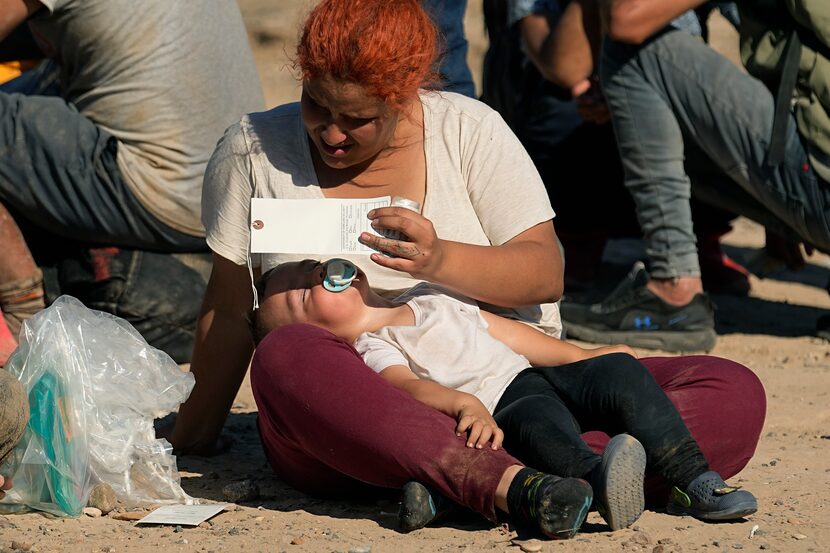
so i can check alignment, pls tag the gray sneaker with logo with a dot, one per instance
(633, 315)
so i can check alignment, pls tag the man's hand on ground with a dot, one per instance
(165, 428)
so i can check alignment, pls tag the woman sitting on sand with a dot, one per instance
(491, 373)
(366, 127)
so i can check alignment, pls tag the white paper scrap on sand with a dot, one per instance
(183, 515)
(325, 226)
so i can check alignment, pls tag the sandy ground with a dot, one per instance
(769, 331)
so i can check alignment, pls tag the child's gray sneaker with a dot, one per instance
(708, 497)
(618, 482)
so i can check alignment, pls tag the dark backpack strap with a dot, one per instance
(783, 99)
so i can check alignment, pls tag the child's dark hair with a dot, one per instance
(255, 326)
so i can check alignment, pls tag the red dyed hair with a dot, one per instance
(388, 47)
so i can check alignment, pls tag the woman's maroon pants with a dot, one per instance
(328, 422)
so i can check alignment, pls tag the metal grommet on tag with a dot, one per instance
(257, 225)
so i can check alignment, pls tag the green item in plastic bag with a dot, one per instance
(48, 420)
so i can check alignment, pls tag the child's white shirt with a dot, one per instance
(448, 344)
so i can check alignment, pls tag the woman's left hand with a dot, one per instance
(420, 256)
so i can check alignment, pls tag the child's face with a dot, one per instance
(294, 293)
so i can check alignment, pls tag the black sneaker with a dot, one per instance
(632, 315)
(421, 506)
(708, 497)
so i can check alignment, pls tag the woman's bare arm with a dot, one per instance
(525, 270)
(221, 355)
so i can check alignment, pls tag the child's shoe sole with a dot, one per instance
(619, 492)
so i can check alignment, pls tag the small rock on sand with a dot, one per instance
(129, 515)
(103, 498)
(92, 512)
(528, 546)
(243, 490)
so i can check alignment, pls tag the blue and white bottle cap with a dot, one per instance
(339, 274)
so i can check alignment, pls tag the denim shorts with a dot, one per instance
(59, 172)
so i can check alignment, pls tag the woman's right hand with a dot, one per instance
(421, 256)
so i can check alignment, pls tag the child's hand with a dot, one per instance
(480, 426)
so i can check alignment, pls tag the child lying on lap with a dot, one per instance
(506, 382)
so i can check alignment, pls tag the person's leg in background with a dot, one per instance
(448, 16)
(157, 293)
(14, 413)
(21, 281)
(75, 198)
(701, 99)
(593, 205)
(720, 274)
(21, 284)
(662, 94)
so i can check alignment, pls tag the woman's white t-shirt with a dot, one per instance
(482, 187)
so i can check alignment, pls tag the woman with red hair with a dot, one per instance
(367, 126)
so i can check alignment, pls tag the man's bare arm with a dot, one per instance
(564, 54)
(634, 21)
(13, 13)
(16, 42)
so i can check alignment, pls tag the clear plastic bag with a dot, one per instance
(94, 386)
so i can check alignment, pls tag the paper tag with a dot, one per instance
(327, 226)
(183, 515)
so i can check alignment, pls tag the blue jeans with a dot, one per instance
(60, 180)
(59, 172)
(682, 110)
(448, 16)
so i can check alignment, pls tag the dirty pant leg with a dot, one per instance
(723, 404)
(14, 413)
(326, 418)
(613, 393)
